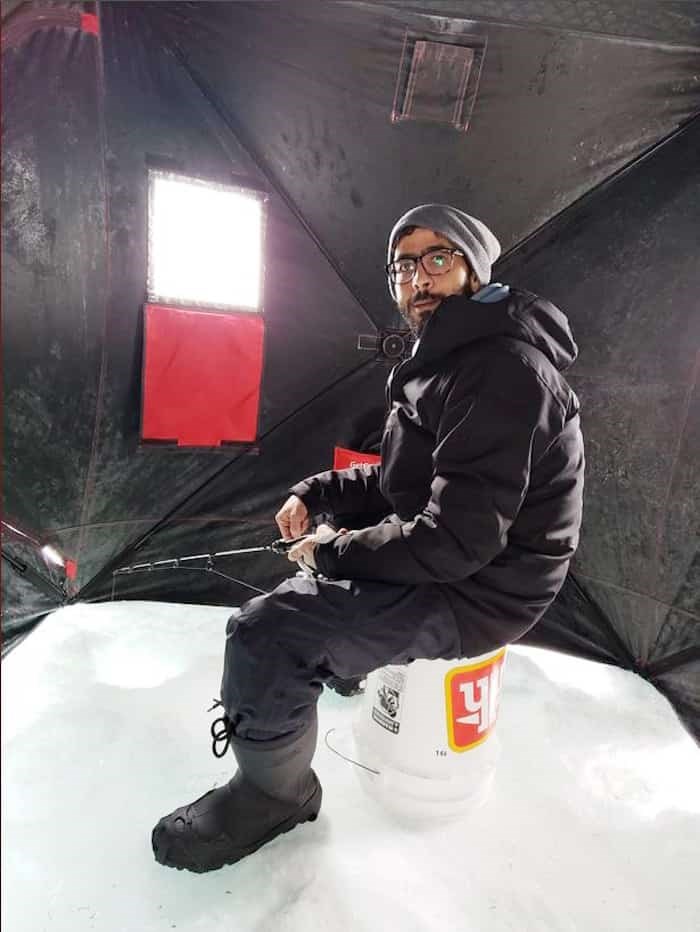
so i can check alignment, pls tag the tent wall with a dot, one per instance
(573, 155)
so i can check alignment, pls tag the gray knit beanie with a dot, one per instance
(470, 235)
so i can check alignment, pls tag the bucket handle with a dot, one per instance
(348, 759)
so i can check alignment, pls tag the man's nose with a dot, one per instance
(421, 279)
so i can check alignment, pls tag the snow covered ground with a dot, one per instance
(592, 823)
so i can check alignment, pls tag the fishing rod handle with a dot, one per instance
(284, 546)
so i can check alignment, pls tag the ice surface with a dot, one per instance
(593, 821)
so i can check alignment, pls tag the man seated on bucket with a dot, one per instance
(479, 503)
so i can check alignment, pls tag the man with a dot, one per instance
(478, 504)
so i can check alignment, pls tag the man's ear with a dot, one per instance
(474, 283)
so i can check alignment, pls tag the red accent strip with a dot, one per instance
(345, 459)
(90, 23)
(71, 569)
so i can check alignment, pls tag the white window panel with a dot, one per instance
(205, 243)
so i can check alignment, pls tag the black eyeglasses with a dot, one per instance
(435, 261)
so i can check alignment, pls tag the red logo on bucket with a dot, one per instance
(472, 695)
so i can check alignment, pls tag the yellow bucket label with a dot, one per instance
(472, 695)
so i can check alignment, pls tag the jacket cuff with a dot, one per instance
(327, 558)
(304, 491)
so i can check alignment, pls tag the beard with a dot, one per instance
(413, 325)
(416, 322)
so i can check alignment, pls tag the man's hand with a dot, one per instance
(305, 550)
(293, 518)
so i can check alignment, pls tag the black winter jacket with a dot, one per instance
(480, 487)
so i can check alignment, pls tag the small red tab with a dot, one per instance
(90, 23)
(71, 569)
(345, 459)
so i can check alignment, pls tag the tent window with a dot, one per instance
(205, 243)
(202, 368)
(438, 81)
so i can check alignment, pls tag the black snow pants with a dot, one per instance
(281, 647)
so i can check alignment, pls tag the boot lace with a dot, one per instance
(221, 730)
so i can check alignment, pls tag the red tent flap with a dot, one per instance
(201, 376)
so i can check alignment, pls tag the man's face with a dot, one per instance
(420, 297)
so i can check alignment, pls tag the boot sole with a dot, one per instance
(218, 852)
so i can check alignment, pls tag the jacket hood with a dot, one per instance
(521, 315)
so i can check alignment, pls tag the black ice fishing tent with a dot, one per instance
(571, 128)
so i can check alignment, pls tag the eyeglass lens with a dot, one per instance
(434, 263)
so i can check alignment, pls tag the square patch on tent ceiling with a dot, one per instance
(438, 81)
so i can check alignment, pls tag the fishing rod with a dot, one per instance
(281, 547)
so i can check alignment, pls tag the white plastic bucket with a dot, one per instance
(427, 729)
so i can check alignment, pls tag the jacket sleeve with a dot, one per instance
(343, 491)
(481, 471)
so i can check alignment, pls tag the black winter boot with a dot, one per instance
(274, 790)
